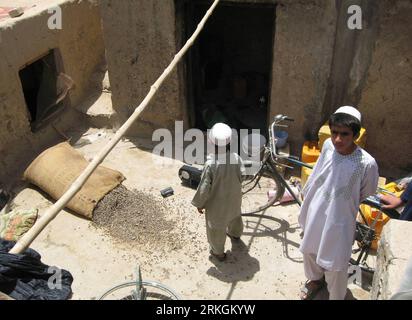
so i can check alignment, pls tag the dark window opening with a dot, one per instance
(44, 90)
(229, 66)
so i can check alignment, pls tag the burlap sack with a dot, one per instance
(55, 170)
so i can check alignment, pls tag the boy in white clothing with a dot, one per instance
(342, 178)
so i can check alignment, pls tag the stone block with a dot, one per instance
(394, 251)
(17, 12)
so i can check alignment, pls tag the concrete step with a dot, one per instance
(98, 110)
(394, 253)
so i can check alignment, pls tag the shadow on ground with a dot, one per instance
(261, 229)
(238, 266)
(323, 294)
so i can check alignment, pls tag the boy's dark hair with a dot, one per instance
(345, 120)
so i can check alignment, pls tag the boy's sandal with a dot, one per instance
(220, 257)
(311, 288)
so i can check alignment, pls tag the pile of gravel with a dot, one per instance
(137, 217)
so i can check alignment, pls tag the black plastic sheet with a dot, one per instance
(25, 277)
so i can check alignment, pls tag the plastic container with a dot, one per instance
(372, 214)
(310, 151)
(253, 144)
(305, 173)
(324, 133)
(281, 138)
(393, 187)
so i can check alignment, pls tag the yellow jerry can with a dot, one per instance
(305, 173)
(372, 214)
(310, 151)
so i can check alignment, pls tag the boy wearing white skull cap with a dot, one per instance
(342, 178)
(219, 192)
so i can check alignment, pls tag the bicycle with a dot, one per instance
(257, 187)
(267, 186)
(138, 290)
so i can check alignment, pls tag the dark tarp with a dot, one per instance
(25, 277)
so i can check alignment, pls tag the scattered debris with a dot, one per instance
(168, 192)
(138, 217)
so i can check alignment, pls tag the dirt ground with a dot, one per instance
(265, 264)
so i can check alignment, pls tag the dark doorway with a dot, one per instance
(44, 89)
(229, 67)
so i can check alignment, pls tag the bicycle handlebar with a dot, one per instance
(279, 118)
(375, 202)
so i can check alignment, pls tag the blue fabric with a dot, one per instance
(407, 198)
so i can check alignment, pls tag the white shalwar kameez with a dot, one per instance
(332, 195)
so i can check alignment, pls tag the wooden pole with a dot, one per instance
(52, 212)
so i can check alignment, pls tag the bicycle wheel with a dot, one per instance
(255, 190)
(148, 290)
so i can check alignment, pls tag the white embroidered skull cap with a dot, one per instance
(220, 134)
(351, 111)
